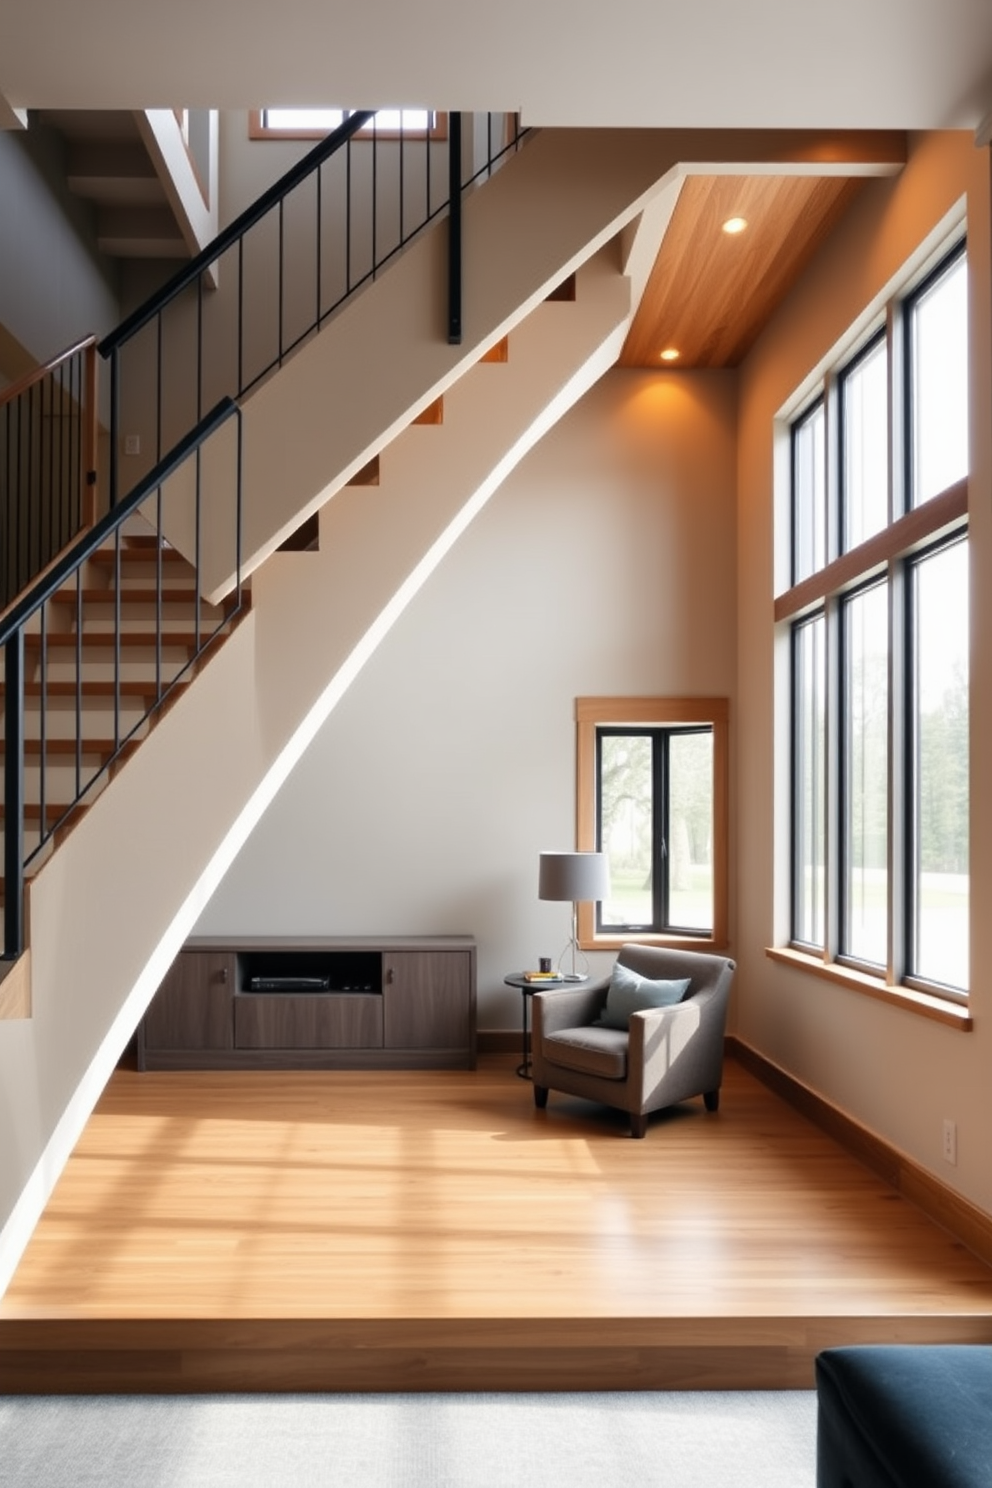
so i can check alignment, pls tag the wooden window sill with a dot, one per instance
(926, 1004)
(669, 942)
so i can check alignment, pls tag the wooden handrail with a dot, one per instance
(30, 378)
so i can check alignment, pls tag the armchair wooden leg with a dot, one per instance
(540, 1096)
(711, 1099)
(638, 1124)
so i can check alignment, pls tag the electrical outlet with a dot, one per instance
(950, 1148)
(132, 444)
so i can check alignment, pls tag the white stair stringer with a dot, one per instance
(111, 908)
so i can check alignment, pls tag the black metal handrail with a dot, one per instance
(30, 618)
(311, 241)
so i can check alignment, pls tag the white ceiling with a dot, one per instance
(903, 64)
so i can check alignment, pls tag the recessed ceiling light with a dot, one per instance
(670, 354)
(734, 225)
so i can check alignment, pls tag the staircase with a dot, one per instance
(109, 910)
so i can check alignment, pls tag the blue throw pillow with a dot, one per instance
(629, 992)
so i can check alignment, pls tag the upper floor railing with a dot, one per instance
(48, 464)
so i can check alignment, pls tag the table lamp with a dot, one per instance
(575, 876)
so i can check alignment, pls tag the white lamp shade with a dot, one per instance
(577, 876)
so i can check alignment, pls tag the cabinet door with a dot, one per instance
(192, 1008)
(427, 999)
(321, 1021)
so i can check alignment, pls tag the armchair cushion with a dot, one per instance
(592, 1051)
(629, 992)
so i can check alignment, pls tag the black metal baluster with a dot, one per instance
(347, 220)
(281, 271)
(79, 682)
(241, 317)
(47, 507)
(402, 235)
(13, 840)
(199, 348)
(375, 192)
(237, 512)
(42, 724)
(159, 604)
(197, 587)
(319, 243)
(117, 638)
(454, 230)
(158, 389)
(113, 473)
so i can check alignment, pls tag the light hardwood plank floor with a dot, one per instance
(433, 1230)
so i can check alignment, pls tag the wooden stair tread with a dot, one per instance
(54, 812)
(66, 640)
(129, 687)
(67, 747)
(142, 554)
(130, 596)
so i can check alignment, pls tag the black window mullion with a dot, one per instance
(660, 819)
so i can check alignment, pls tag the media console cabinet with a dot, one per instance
(310, 1003)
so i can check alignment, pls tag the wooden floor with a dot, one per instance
(405, 1231)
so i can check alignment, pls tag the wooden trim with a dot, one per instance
(500, 352)
(963, 1219)
(589, 713)
(15, 989)
(30, 378)
(921, 525)
(258, 130)
(165, 1356)
(910, 999)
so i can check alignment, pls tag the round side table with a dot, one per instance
(527, 989)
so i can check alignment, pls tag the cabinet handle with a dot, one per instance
(223, 974)
(389, 975)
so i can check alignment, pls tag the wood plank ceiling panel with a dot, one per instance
(710, 293)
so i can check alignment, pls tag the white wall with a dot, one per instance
(605, 564)
(55, 287)
(892, 1070)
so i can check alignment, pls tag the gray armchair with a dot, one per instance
(667, 1054)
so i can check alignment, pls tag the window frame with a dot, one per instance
(593, 713)
(660, 737)
(259, 130)
(888, 555)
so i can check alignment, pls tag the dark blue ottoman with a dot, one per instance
(904, 1416)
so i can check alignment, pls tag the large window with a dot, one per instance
(878, 615)
(652, 792)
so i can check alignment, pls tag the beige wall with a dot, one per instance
(604, 564)
(894, 1071)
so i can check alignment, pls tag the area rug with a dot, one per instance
(734, 1439)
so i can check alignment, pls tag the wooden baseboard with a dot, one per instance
(500, 1041)
(964, 1220)
(15, 989)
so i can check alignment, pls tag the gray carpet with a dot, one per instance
(752, 1439)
